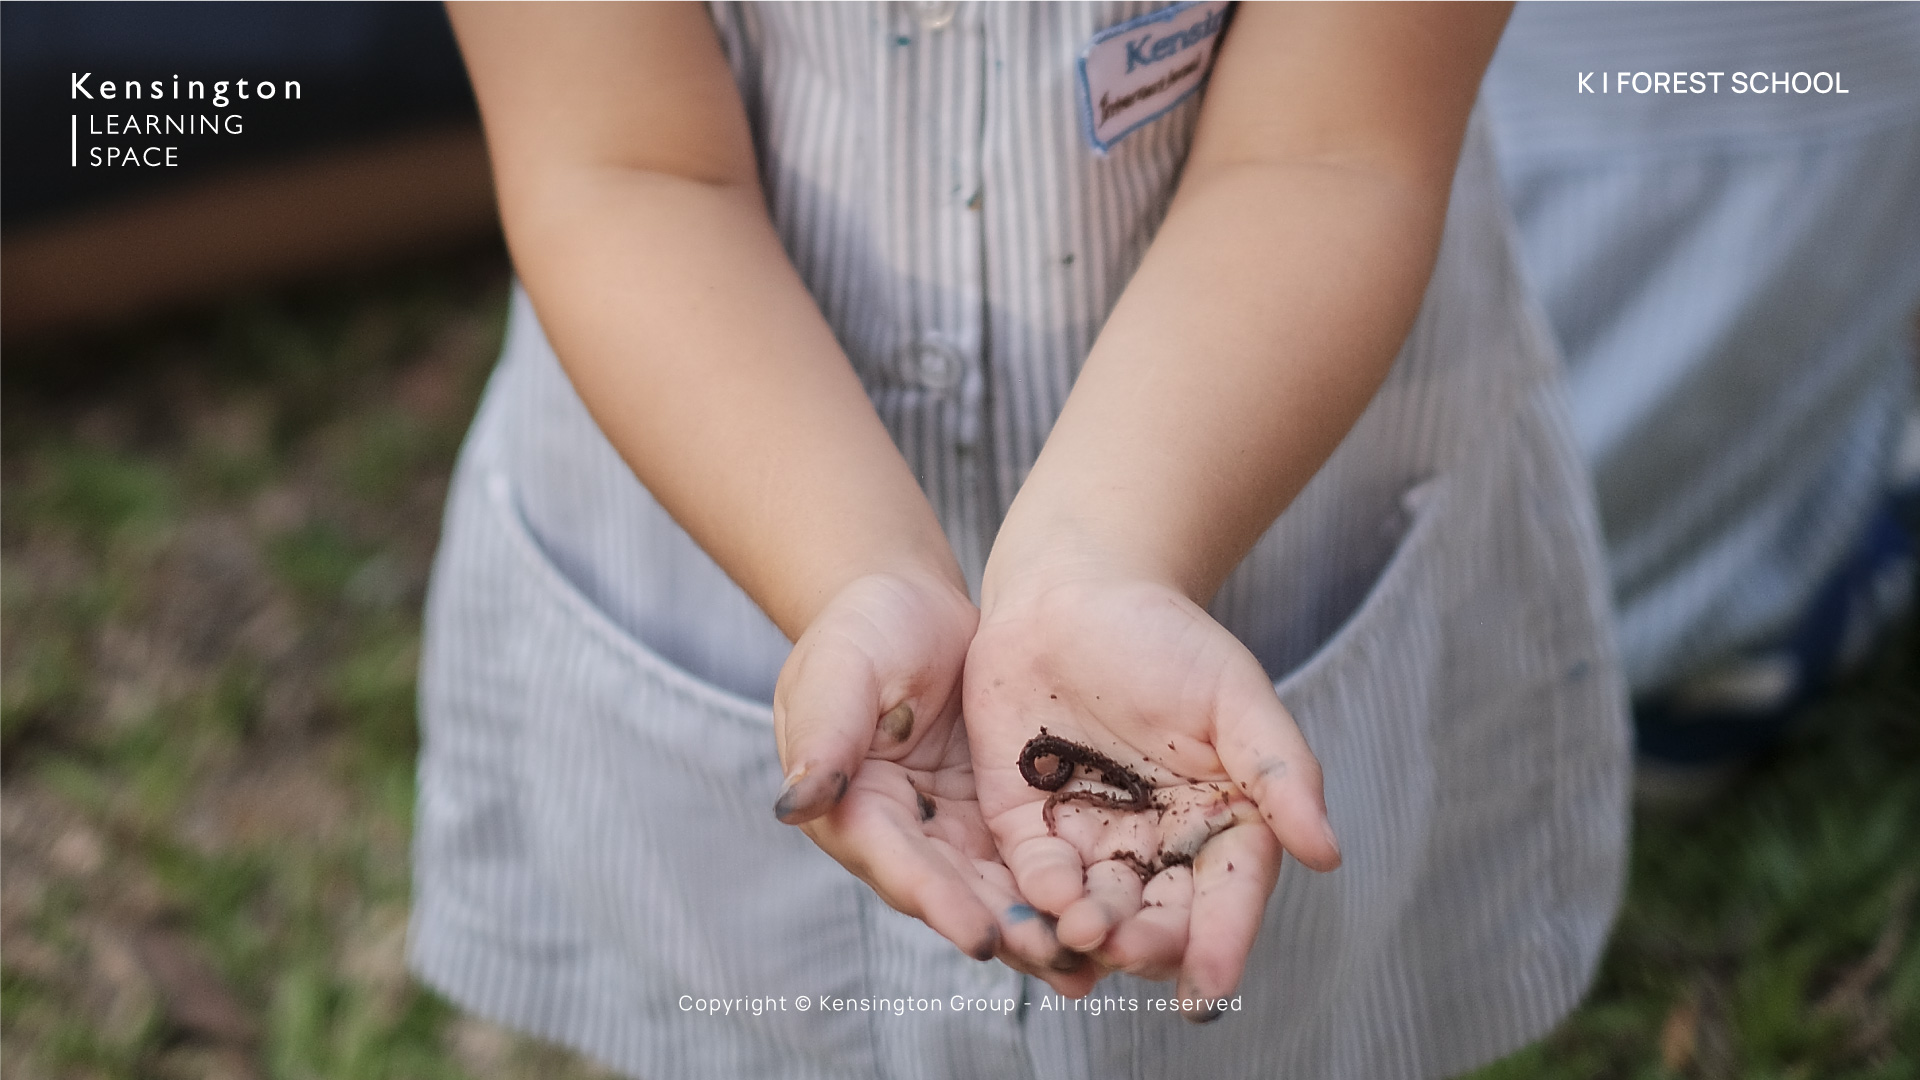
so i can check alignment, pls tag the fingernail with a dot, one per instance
(1207, 1015)
(1205, 1010)
(988, 947)
(1066, 961)
(794, 776)
(1326, 830)
(783, 806)
(804, 796)
(897, 723)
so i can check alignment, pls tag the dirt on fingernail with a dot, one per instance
(897, 723)
(802, 799)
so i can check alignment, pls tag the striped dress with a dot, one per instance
(596, 861)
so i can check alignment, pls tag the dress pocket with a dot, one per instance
(1366, 699)
(566, 600)
(1408, 571)
(647, 796)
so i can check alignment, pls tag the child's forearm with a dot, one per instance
(706, 363)
(1252, 337)
(631, 202)
(1272, 301)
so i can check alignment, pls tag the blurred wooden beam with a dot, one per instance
(246, 229)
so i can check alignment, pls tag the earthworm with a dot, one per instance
(1067, 755)
(1136, 795)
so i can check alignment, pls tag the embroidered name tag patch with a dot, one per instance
(1131, 73)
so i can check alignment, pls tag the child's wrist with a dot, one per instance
(1073, 524)
(1033, 558)
(794, 594)
(935, 575)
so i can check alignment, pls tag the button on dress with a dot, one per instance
(595, 850)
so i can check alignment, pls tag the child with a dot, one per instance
(821, 278)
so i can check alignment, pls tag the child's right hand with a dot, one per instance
(867, 714)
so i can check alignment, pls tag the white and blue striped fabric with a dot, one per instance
(1734, 279)
(595, 846)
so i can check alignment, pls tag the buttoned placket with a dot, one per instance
(933, 191)
(934, 402)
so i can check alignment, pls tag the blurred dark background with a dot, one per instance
(380, 160)
(367, 70)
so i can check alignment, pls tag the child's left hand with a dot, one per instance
(1191, 775)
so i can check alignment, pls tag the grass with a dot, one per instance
(216, 538)
(1773, 936)
(216, 534)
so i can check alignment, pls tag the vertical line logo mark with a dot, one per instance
(74, 142)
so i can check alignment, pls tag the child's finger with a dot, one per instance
(1072, 977)
(825, 711)
(1047, 871)
(1153, 942)
(911, 875)
(1113, 894)
(1263, 751)
(1073, 984)
(1232, 878)
(1027, 940)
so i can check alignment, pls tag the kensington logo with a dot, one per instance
(136, 123)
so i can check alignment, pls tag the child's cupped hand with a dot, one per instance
(879, 775)
(1133, 682)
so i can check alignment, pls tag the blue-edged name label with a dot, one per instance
(1131, 73)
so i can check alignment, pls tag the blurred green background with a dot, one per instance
(215, 536)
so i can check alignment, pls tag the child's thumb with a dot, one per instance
(826, 710)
